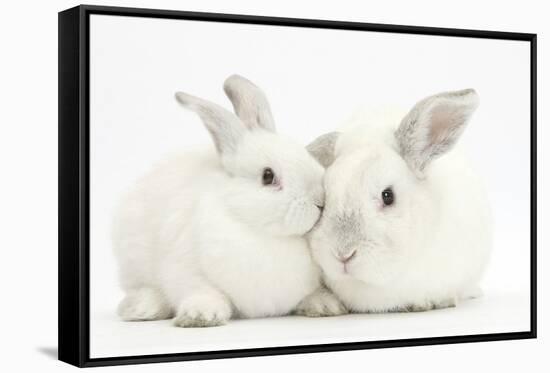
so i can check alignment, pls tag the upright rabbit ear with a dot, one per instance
(249, 103)
(433, 126)
(322, 148)
(226, 129)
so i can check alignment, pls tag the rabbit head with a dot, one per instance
(273, 184)
(380, 197)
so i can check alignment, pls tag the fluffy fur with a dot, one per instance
(430, 247)
(202, 239)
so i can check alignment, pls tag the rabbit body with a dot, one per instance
(175, 236)
(207, 236)
(407, 224)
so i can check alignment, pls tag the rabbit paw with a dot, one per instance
(143, 305)
(320, 303)
(203, 311)
(429, 305)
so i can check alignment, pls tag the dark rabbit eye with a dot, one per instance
(387, 196)
(268, 176)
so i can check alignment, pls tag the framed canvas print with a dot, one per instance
(235, 186)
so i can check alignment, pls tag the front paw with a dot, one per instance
(202, 312)
(320, 303)
(144, 304)
(428, 305)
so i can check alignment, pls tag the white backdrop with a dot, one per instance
(315, 80)
(28, 150)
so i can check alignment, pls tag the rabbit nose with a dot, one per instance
(346, 257)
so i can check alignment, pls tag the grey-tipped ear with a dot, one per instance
(226, 129)
(249, 102)
(322, 148)
(433, 126)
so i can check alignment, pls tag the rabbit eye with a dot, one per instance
(387, 196)
(268, 176)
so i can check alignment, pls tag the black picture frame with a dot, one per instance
(74, 200)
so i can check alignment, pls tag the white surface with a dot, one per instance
(494, 313)
(28, 153)
(315, 80)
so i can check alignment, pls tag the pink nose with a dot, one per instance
(346, 257)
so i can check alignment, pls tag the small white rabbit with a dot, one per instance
(406, 224)
(205, 237)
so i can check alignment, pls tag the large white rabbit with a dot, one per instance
(211, 235)
(406, 224)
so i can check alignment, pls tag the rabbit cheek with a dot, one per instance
(322, 243)
(301, 216)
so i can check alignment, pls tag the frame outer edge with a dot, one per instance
(73, 228)
(69, 214)
(534, 185)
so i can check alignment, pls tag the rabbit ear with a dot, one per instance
(433, 126)
(322, 148)
(249, 103)
(226, 129)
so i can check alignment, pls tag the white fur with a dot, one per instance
(425, 251)
(203, 231)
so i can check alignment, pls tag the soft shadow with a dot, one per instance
(51, 352)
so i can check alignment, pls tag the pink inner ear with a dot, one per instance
(443, 119)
